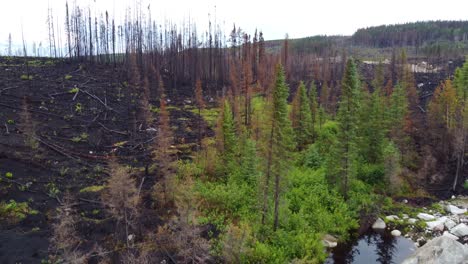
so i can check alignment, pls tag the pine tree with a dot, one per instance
(163, 144)
(313, 108)
(347, 125)
(443, 106)
(200, 105)
(371, 126)
(324, 96)
(280, 143)
(228, 135)
(301, 117)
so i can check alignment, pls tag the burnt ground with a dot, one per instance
(76, 133)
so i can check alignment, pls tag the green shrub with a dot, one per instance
(373, 174)
(9, 175)
(13, 212)
(25, 77)
(312, 158)
(74, 90)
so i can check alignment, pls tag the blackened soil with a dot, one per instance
(76, 132)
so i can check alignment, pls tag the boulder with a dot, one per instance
(454, 210)
(433, 224)
(447, 234)
(449, 224)
(329, 241)
(425, 217)
(439, 250)
(396, 233)
(392, 217)
(460, 230)
(379, 224)
(412, 221)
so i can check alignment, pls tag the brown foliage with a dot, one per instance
(121, 196)
(65, 240)
(27, 126)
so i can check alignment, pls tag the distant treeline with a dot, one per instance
(412, 34)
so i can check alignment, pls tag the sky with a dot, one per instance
(297, 18)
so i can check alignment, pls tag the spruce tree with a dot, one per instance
(228, 134)
(324, 96)
(313, 108)
(301, 117)
(280, 143)
(347, 125)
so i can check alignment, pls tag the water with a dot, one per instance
(372, 247)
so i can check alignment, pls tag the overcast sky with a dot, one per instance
(298, 18)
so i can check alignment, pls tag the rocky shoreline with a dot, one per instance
(439, 232)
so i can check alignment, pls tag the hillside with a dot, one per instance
(426, 40)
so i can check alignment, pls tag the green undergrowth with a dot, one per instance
(13, 212)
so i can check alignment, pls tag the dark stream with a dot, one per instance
(372, 247)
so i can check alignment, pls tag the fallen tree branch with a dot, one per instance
(113, 131)
(99, 100)
(8, 88)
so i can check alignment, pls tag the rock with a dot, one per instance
(449, 224)
(454, 210)
(329, 241)
(460, 230)
(439, 228)
(405, 201)
(439, 250)
(379, 224)
(425, 217)
(453, 197)
(405, 216)
(440, 221)
(447, 234)
(392, 217)
(396, 233)
(412, 221)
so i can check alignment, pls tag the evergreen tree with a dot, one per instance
(313, 108)
(348, 119)
(228, 134)
(324, 96)
(371, 126)
(301, 117)
(280, 143)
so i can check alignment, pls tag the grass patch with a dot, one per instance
(93, 188)
(13, 212)
(210, 115)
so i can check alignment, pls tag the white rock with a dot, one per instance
(405, 201)
(379, 224)
(425, 217)
(449, 224)
(391, 217)
(329, 241)
(453, 197)
(439, 250)
(405, 216)
(412, 220)
(454, 210)
(433, 224)
(447, 234)
(396, 233)
(460, 230)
